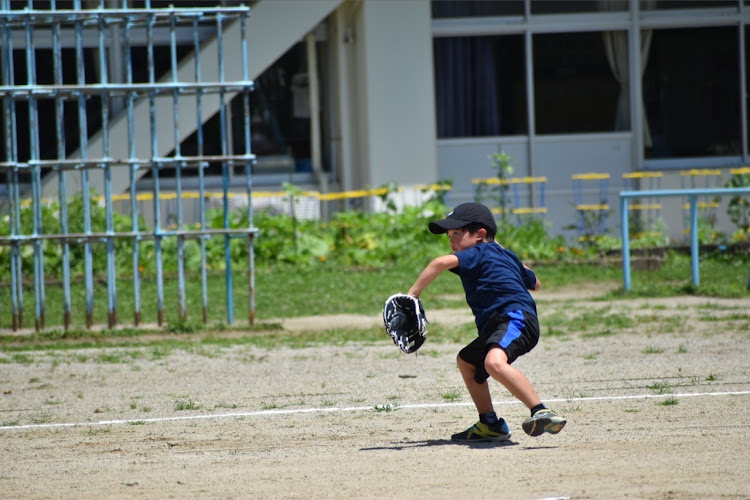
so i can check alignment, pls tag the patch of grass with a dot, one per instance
(137, 422)
(554, 332)
(452, 396)
(671, 401)
(186, 404)
(22, 359)
(653, 350)
(95, 431)
(41, 418)
(662, 387)
(728, 278)
(111, 358)
(724, 317)
(598, 333)
(386, 407)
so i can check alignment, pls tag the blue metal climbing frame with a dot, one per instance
(28, 34)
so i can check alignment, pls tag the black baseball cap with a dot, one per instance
(462, 216)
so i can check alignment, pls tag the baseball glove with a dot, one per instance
(405, 321)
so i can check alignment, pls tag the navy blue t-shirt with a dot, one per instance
(494, 281)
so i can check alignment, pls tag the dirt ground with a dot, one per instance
(653, 412)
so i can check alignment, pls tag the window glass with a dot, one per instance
(575, 86)
(691, 93)
(480, 86)
(685, 4)
(558, 7)
(747, 73)
(472, 8)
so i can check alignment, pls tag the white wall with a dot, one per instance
(396, 93)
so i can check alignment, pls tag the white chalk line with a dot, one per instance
(354, 409)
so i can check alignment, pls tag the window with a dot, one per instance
(685, 4)
(473, 8)
(571, 6)
(691, 93)
(480, 86)
(575, 87)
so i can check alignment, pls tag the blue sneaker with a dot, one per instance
(543, 421)
(484, 432)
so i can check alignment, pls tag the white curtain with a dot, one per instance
(616, 48)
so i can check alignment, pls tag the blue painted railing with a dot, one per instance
(692, 196)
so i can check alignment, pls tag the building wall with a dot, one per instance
(395, 87)
(556, 157)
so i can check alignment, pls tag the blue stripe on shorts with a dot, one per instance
(515, 327)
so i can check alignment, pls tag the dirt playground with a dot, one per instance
(658, 410)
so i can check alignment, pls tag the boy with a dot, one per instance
(496, 285)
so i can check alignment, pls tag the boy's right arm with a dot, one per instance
(431, 272)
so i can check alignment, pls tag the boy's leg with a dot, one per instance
(480, 393)
(516, 382)
(486, 429)
(542, 420)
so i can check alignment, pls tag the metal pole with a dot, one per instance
(105, 104)
(625, 242)
(133, 178)
(85, 185)
(201, 174)
(36, 181)
(225, 177)
(248, 178)
(694, 238)
(11, 152)
(178, 169)
(62, 192)
(155, 164)
(636, 88)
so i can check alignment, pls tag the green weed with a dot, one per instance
(188, 404)
(452, 396)
(660, 387)
(653, 350)
(386, 407)
(95, 431)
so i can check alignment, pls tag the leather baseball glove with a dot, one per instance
(405, 321)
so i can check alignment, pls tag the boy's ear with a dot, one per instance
(482, 233)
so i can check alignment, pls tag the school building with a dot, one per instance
(587, 97)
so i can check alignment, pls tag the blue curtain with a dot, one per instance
(466, 88)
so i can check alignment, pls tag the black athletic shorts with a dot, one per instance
(515, 332)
